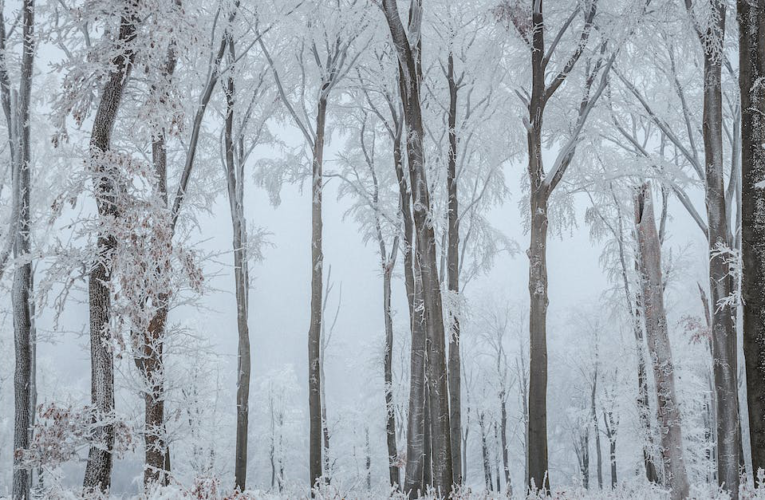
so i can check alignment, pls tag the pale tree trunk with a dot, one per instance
(24, 277)
(235, 184)
(724, 345)
(649, 250)
(98, 470)
(314, 333)
(485, 451)
(452, 274)
(751, 23)
(594, 413)
(410, 75)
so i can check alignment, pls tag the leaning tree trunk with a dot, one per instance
(649, 250)
(236, 203)
(23, 278)
(452, 274)
(751, 22)
(98, 470)
(314, 333)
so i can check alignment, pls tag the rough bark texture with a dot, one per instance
(23, 279)
(98, 471)
(724, 345)
(751, 22)
(425, 256)
(314, 333)
(649, 250)
(452, 275)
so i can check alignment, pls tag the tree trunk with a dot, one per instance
(537, 423)
(485, 452)
(593, 409)
(390, 418)
(314, 333)
(724, 345)
(452, 274)
(99, 467)
(751, 22)
(236, 203)
(503, 442)
(658, 344)
(23, 278)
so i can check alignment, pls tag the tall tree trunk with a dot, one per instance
(427, 466)
(537, 423)
(23, 278)
(751, 22)
(238, 223)
(425, 260)
(98, 470)
(724, 345)
(671, 433)
(643, 401)
(452, 274)
(317, 267)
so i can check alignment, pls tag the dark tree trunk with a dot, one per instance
(503, 442)
(314, 333)
(236, 201)
(751, 22)
(98, 471)
(452, 274)
(724, 345)
(390, 418)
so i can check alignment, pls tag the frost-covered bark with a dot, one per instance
(98, 471)
(724, 345)
(751, 22)
(652, 284)
(408, 46)
(18, 117)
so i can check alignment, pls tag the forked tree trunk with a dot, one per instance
(751, 23)
(649, 250)
(425, 262)
(98, 470)
(314, 333)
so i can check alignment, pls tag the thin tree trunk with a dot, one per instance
(453, 266)
(503, 442)
(23, 278)
(593, 409)
(238, 223)
(485, 452)
(751, 22)
(314, 333)
(390, 420)
(98, 470)
(658, 344)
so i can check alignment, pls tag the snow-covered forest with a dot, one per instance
(523, 242)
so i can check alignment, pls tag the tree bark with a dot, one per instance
(23, 279)
(503, 442)
(724, 344)
(235, 185)
(649, 250)
(425, 258)
(452, 275)
(751, 22)
(485, 452)
(98, 470)
(593, 409)
(390, 420)
(314, 333)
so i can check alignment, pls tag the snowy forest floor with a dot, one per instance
(211, 490)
